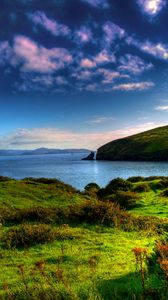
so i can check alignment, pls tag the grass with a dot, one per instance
(83, 260)
(109, 250)
(27, 193)
(152, 204)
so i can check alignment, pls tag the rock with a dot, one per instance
(89, 157)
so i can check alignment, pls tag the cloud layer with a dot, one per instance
(95, 57)
(55, 138)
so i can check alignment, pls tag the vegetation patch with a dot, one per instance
(59, 243)
(127, 200)
(27, 235)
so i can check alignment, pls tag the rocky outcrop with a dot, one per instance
(89, 157)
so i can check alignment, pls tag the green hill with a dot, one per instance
(151, 145)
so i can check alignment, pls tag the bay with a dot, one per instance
(70, 169)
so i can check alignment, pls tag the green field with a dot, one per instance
(59, 243)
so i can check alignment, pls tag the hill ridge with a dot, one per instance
(150, 145)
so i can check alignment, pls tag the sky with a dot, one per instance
(81, 73)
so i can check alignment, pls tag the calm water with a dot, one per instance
(70, 169)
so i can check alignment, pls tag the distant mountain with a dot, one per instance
(151, 145)
(41, 151)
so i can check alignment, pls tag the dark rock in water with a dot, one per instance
(89, 157)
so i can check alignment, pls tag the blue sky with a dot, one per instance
(80, 73)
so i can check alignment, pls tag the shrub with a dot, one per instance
(53, 181)
(164, 193)
(135, 179)
(163, 258)
(117, 184)
(91, 190)
(5, 178)
(6, 215)
(97, 212)
(27, 235)
(151, 178)
(102, 193)
(142, 187)
(160, 185)
(91, 187)
(42, 180)
(35, 214)
(125, 199)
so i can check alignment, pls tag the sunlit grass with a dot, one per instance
(94, 261)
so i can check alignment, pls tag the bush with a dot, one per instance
(91, 190)
(34, 214)
(135, 179)
(164, 193)
(151, 178)
(98, 212)
(91, 187)
(5, 178)
(126, 200)
(118, 184)
(160, 185)
(142, 187)
(27, 235)
(6, 215)
(53, 181)
(42, 180)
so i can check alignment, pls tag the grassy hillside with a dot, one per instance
(151, 145)
(100, 244)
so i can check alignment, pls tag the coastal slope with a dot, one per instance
(150, 145)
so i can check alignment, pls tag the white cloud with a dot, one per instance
(138, 86)
(93, 87)
(151, 7)
(100, 120)
(108, 75)
(87, 63)
(60, 80)
(56, 29)
(83, 35)
(82, 75)
(98, 3)
(104, 57)
(112, 32)
(35, 58)
(133, 64)
(162, 108)
(158, 50)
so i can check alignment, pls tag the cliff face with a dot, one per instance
(151, 145)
